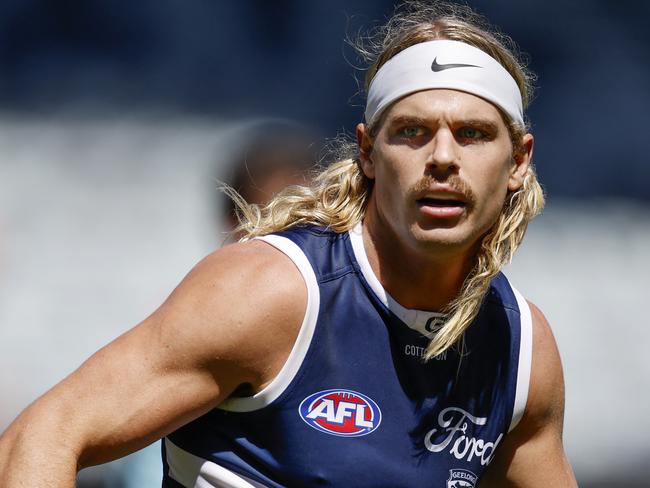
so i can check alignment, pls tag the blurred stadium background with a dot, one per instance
(116, 119)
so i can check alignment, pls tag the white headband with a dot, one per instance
(443, 64)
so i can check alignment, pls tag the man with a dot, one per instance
(367, 338)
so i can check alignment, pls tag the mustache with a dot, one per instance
(455, 182)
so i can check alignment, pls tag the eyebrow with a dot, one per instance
(484, 124)
(406, 119)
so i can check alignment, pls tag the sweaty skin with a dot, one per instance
(442, 144)
(232, 322)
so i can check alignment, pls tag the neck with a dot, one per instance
(418, 280)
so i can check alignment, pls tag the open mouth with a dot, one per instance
(440, 202)
(447, 209)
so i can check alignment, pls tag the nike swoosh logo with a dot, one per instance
(441, 67)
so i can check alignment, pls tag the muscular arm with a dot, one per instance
(231, 322)
(532, 455)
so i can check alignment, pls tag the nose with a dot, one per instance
(444, 151)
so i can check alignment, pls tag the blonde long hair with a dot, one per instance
(339, 192)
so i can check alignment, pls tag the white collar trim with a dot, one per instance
(421, 320)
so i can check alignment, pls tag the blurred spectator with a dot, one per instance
(267, 155)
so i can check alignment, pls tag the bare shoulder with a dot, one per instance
(532, 455)
(546, 391)
(242, 304)
(231, 323)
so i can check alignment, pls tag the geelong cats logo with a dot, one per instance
(341, 412)
(451, 434)
(461, 478)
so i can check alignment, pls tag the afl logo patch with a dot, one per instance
(344, 413)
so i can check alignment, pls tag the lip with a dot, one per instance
(442, 202)
(443, 192)
(441, 211)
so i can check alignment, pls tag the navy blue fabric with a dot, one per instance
(360, 345)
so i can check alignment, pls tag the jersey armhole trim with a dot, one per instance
(193, 471)
(290, 368)
(525, 359)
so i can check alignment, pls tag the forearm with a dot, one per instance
(34, 452)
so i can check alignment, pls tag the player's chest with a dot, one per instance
(369, 438)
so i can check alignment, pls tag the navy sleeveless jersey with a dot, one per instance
(355, 405)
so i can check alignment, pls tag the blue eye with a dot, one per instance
(470, 133)
(412, 131)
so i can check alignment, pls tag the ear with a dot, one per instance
(365, 150)
(521, 162)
